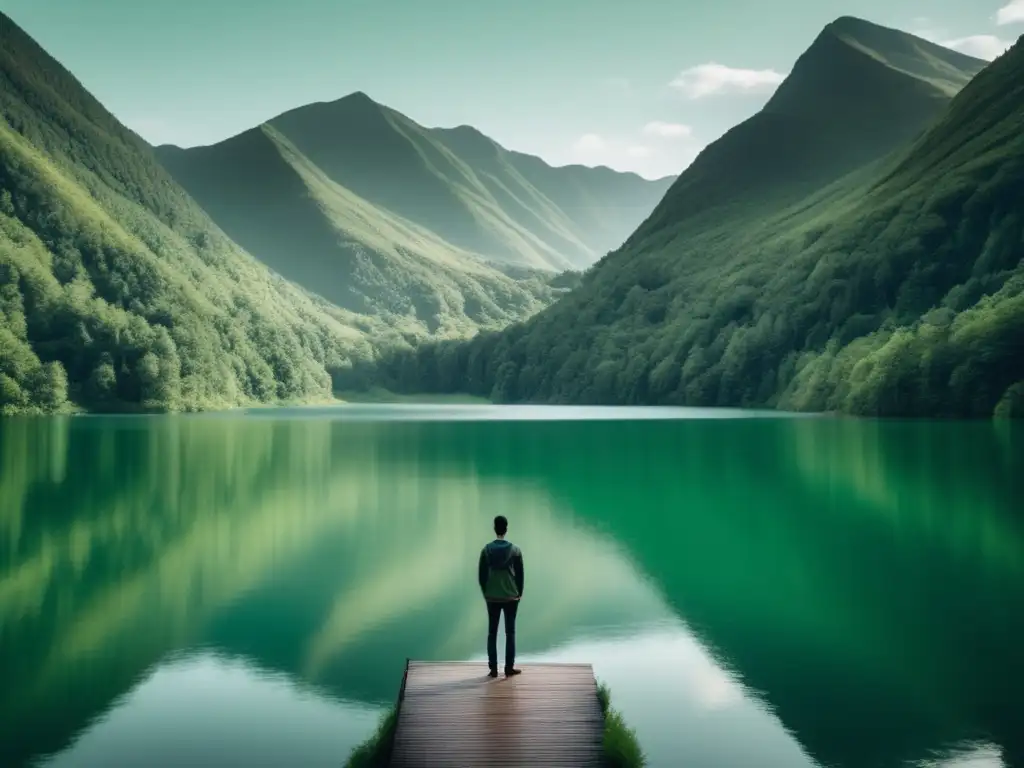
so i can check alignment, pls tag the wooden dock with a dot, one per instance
(452, 715)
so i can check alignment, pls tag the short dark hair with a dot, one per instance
(500, 525)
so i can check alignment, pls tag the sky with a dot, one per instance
(640, 86)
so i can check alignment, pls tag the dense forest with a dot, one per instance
(894, 288)
(116, 291)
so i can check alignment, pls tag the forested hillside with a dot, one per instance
(896, 289)
(460, 192)
(116, 291)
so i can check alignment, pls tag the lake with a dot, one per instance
(757, 590)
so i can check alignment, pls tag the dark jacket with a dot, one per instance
(501, 571)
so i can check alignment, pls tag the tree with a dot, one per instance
(49, 386)
(11, 394)
(150, 385)
(103, 381)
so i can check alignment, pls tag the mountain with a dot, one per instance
(281, 208)
(456, 188)
(858, 93)
(118, 292)
(598, 206)
(896, 289)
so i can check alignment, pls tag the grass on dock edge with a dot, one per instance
(621, 748)
(375, 752)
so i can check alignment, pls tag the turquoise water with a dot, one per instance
(244, 588)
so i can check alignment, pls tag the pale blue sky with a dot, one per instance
(569, 80)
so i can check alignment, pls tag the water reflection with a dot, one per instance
(758, 592)
(682, 702)
(193, 709)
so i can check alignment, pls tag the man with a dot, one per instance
(501, 581)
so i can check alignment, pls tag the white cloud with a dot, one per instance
(1011, 13)
(708, 79)
(630, 153)
(929, 33)
(986, 47)
(667, 130)
(590, 144)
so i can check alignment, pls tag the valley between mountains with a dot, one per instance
(854, 246)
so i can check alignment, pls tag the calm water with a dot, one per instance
(766, 592)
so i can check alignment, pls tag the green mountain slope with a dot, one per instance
(456, 183)
(115, 289)
(598, 207)
(897, 290)
(281, 208)
(858, 93)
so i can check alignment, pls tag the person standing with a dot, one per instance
(501, 581)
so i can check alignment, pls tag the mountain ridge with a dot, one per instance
(278, 205)
(454, 129)
(896, 289)
(839, 109)
(507, 207)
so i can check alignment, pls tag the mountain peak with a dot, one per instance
(355, 103)
(856, 65)
(900, 50)
(856, 94)
(357, 97)
(852, 24)
(322, 118)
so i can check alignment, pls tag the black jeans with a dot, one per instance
(494, 611)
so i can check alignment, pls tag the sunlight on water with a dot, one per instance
(486, 412)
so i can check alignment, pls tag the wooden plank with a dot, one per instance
(452, 715)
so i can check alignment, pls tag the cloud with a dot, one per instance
(709, 79)
(928, 32)
(589, 144)
(1011, 13)
(629, 152)
(986, 47)
(667, 130)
